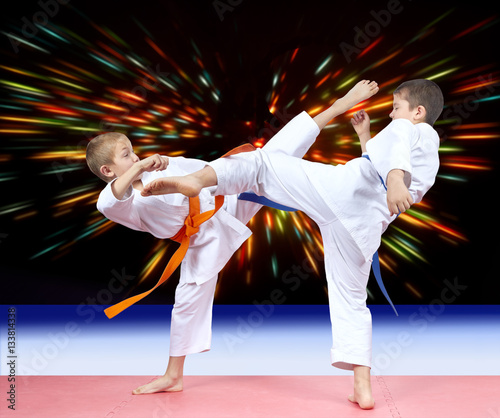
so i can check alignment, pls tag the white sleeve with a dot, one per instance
(122, 211)
(391, 149)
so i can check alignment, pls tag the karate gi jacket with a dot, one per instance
(163, 215)
(354, 191)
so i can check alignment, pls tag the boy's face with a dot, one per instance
(400, 109)
(123, 157)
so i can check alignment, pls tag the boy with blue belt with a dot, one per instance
(353, 204)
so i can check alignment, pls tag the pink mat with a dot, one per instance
(253, 396)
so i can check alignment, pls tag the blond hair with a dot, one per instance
(100, 151)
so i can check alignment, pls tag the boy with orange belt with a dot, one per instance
(110, 156)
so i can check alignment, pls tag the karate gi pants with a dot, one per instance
(191, 323)
(283, 179)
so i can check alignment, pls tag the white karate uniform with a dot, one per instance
(348, 202)
(212, 247)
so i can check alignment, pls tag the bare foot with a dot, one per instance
(361, 91)
(187, 185)
(162, 384)
(362, 394)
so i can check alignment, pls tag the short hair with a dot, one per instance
(422, 92)
(100, 151)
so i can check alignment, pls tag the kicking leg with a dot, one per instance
(192, 184)
(361, 91)
(297, 136)
(278, 177)
(189, 185)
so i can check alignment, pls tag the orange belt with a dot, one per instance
(191, 226)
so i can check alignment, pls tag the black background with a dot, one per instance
(247, 38)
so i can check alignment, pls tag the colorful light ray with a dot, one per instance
(51, 106)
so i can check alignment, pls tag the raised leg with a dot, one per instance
(361, 91)
(192, 184)
(189, 185)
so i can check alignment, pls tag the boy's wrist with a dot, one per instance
(363, 139)
(138, 167)
(364, 136)
(395, 175)
(136, 170)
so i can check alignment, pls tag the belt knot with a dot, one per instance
(191, 227)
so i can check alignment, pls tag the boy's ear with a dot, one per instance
(106, 171)
(420, 113)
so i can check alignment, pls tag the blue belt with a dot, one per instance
(261, 200)
(376, 261)
(381, 179)
(252, 197)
